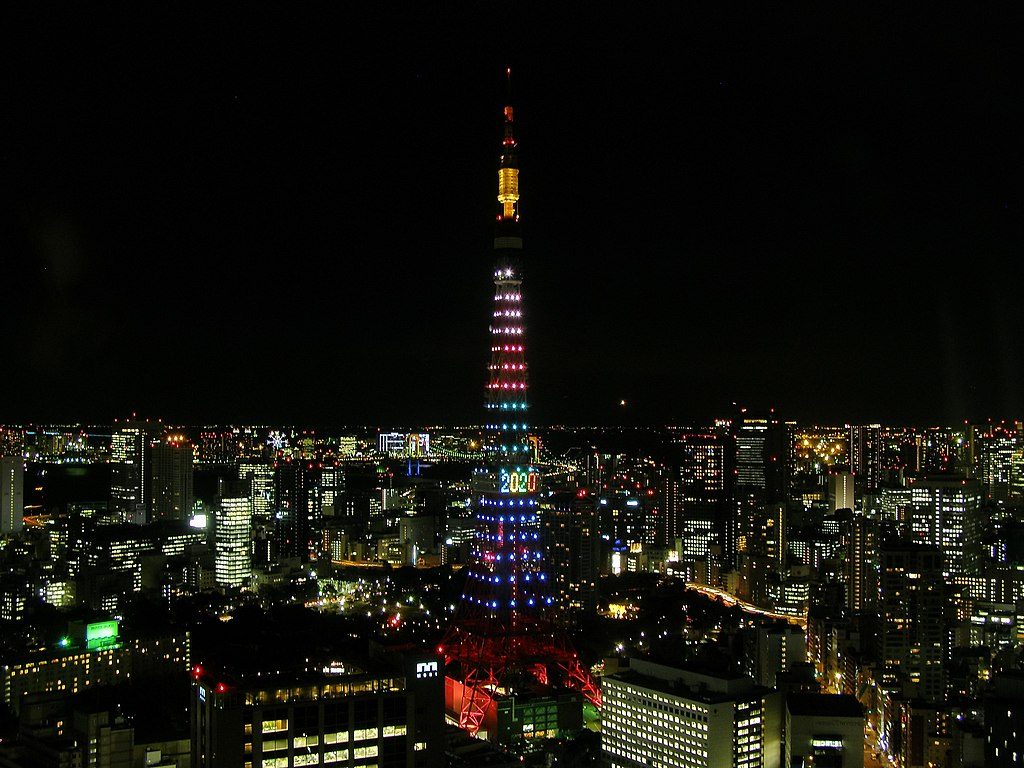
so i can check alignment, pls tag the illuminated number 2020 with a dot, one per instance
(518, 482)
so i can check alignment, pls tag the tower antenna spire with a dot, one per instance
(508, 164)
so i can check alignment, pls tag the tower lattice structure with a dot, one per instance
(504, 638)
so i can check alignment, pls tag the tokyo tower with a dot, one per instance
(504, 641)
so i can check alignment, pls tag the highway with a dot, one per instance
(726, 598)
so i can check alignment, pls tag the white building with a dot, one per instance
(662, 717)
(232, 536)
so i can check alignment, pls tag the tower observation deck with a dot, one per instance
(504, 641)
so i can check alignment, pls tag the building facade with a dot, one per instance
(662, 717)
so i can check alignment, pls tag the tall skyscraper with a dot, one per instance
(129, 471)
(332, 487)
(171, 478)
(945, 511)
(706, 487)
(573, 548)
(865, 456)
(503, 642)
(233, 538)
(12, 494)
(760, 467)
(860, 563)
(298, 513)
(913, 620)
(762, 456)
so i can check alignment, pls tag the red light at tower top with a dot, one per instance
(504, 640)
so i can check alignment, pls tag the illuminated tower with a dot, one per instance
(503, 641)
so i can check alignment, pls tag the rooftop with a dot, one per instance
(824, 705)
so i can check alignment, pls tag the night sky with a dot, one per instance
(275, 219)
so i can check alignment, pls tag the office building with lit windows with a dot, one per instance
(944, 512)
(356, 714)
(298, 511)
(705, 489)
(865, 456)
(170, 480)
(657, 716)
(92, 654)
(129, 470)
(260, 477)
(913, 620)
(569, 523)
(232, 539)
(860, 562)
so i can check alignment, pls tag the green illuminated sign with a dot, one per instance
(101, 634)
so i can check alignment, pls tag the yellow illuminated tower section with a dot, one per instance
(508, 169)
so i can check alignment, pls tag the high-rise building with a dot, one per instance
(662, 717)
(762, 457)
(996, 448)
(260, 477)
(866, 455)
(504, 642)
(12, 494)
(332, 487)
(860, 562)
(773, 650)
(762, 551)
(623, 517)
(706, 486)
(913, 628)
(129, 471)
(761, 477)
(946, 512)
(171, 478)
(572, 544)
(298, 513)
(840, 491)
(233, 539)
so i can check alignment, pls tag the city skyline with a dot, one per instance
(268, 233)
(783, 534)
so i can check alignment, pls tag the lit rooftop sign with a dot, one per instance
(101, 634)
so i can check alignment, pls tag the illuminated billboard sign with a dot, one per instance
(426, 669)
(101, 634)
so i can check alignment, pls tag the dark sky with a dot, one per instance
(272, 218)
